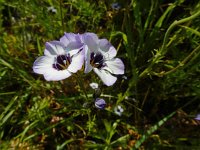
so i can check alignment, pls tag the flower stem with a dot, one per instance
(80, 82)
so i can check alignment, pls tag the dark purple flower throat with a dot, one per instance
(62, 62)
(97, 60)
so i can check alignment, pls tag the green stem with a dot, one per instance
(162, 51)
(174, 24)
(80, 82)
(183, 62)
(61, 16)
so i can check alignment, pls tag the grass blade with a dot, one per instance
(151, 130)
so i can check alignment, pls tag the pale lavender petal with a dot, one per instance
(74, 52)
(77, 62)
(104, 45)
(42, 64)
(115, 66)
(67, 38)
(111, 53)
(53, 49)
(197, 117)
(88, 66)
(57, 43)
(105, 76)
(74, 45)
(49, 49)
(55, 75)
(71, 41)
(107, 49)
(91, 40)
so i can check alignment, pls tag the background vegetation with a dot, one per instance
(159, 42)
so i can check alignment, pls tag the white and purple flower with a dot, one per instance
(94, 85)
(118, 110)
(61, 58)
(64, 57)
(99, 56)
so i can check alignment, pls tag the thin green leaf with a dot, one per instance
(191, 30)
(5, 63)
(151, 130)
(8, 108)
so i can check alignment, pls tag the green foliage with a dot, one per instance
(157, 40)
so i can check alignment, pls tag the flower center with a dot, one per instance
(62, 62)
(97, 60)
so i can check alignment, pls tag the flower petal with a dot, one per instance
(55, 75)
(88, 66)
(42, 64)
(77, 62)
(91, 40)
(107, 49)
(105, 76)
(71, 41)
(53, 48)
(111, 53)
(67, 38)
(104, 45)
(115, 66)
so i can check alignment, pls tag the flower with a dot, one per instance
(197, 117)
(60, 59)
(118, 110)
(99, 56)
(115, 6)
(94, 85)
(52, 9)
(100, 103)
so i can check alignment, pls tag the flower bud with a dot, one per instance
(100, 103)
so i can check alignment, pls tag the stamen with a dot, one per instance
(97, 60)
(62, 62)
